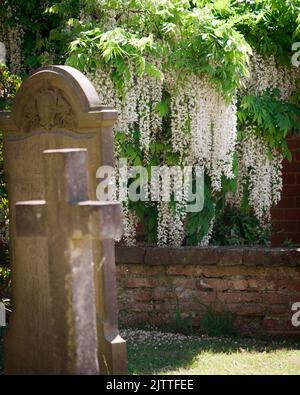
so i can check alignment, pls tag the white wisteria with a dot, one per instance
(170, 224)
(203, 127)
(130, 222)
(266, 73)
(12, 39)
(264, 173)
(203, 132)
(206, 239)
(137, 107)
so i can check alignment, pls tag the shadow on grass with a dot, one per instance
(153, 357)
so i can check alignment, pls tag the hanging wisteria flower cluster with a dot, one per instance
(203, 127)
(266, 73)
(12, 39)
(171, 217)
(136, 109)
(203, 133)
(264, 174)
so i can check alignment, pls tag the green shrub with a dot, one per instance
(217, 323)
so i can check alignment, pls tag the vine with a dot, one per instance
(202, 83)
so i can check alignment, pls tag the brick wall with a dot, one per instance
(258, 286)
(286, 216)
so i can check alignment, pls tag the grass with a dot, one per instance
(154, 353)
(151, 352)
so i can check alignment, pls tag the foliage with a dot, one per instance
(136, 37)
(218, 324)
(183, 324)
(273, 26)
(235, 227)
(188, 38)
(272, 118)
(45, 32)
(9, 85)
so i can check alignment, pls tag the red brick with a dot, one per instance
(183, 270)
(281, 309)
(291, 167)
(296, 155)
(291, 190)
(217, 284)
(239, 284)
(139, 306)
(278, 239)
(294, 237)
(121, 269)
(203, 285)
(292, 214)
(205, 297)
(276, 298)
(160, 293)
(136, 282)
(287, 202)
(290, 285)
(261, 283)
(169, 307)
(285, 226)
(270, 323)
(183, 282)
(293, 143)
(240, 297)
(143, 295)
(278, 214)
(145, 270)
(289, 178)
(252, 309)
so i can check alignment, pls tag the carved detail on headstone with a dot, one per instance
(48, 110)
(53, 105)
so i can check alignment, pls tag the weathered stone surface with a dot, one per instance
(55, 108)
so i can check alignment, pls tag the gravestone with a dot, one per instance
(70, 221)
(56, 107)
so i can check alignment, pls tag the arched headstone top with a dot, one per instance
(57, 98)
(56, 111)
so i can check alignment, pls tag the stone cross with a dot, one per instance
(56, 107)
(70, 221)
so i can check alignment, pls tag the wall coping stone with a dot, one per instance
(212, 255)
